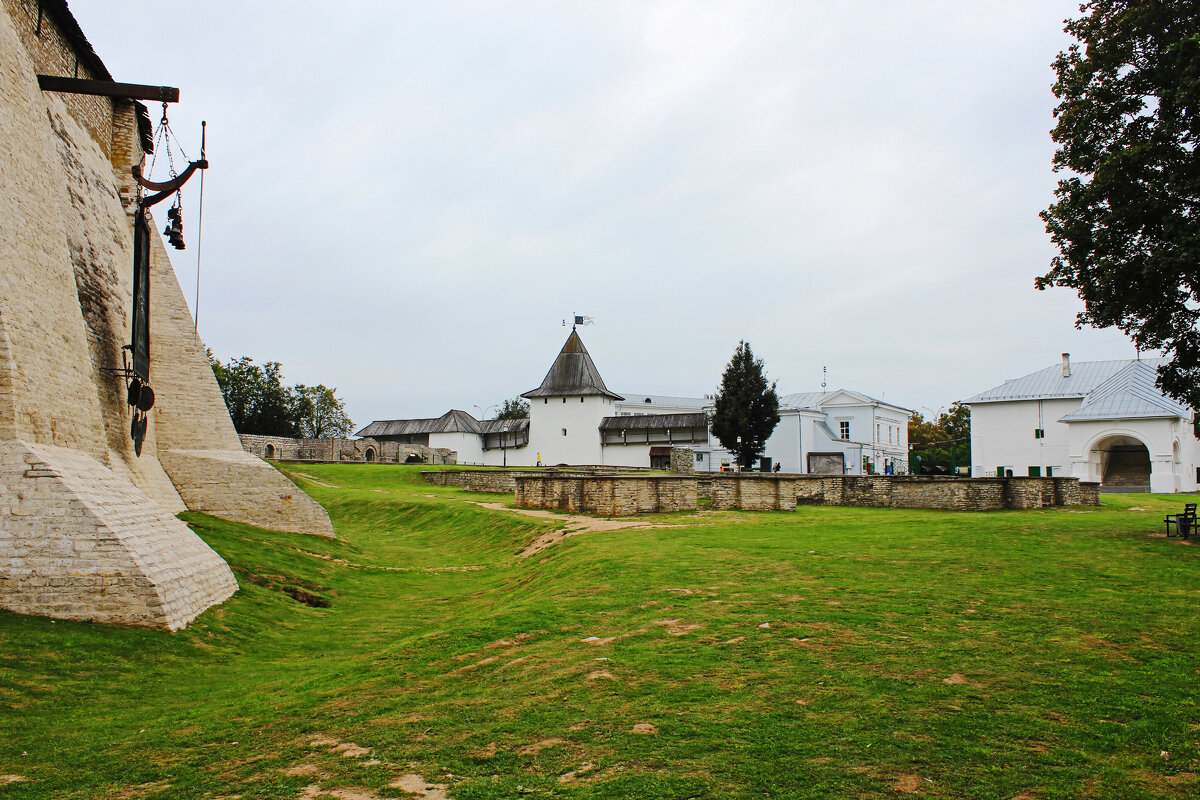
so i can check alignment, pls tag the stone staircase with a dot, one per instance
(1128, 470)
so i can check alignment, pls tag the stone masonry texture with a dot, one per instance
(87, 527)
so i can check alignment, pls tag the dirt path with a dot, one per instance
(571, 525)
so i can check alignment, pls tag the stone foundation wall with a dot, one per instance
(608, 496)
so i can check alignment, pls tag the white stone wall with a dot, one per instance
(71, 483)
(79, 542)
(579, 416)
(1173, 448)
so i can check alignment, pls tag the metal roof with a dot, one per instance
(654, 422)
(635, 400)
(453, 421)
(1049, 383)
(572, 374)
(1130, 394)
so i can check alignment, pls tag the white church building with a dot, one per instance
(574, 419)
(1102, 421)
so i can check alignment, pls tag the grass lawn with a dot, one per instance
(826, 653)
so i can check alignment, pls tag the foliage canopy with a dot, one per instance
(937, 445)
(514, 409)
(1126, 219)
(746, 408)
(260, 404)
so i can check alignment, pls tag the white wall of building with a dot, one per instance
(1002, 436)
(579, 416)
(469, 446)
(1173, 448)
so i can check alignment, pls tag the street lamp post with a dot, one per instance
(483, 412)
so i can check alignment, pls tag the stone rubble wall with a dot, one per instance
(79, 542)
(683, 461)
(610, 496)
(336, 450)
(626, 494)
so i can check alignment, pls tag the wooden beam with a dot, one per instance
(133, 91)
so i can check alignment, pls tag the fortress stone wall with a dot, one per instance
(87, 527)
(339, 449)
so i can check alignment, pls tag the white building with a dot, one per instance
(1102, 421)
(575, 419)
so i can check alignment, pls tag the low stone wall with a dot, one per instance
(496, 481)
(609, 496)
(331, 450)
(952, 494)
(752, 492)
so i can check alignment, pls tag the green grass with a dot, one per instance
(1068, 637)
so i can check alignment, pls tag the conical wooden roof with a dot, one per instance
(573, 374)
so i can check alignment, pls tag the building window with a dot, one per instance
(699, 456)
(564, 431)
(1039, 433)
(1035, 472)
(844, 428)
(1049, 472)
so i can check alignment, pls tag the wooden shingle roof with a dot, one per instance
(654, 422)
(453, 421)
(573, 374)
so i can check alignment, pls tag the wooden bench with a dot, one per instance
(1184, 523)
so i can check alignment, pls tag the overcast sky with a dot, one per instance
(406, 198)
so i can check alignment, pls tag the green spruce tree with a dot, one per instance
(746, 407)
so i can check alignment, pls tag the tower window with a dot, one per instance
(564, 431)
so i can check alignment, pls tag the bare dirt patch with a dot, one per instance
(956, 679)
(582, 769)
(476, 665)
(7, 779)
(416, 785)
(351, 750)
(537, 747)
(908, 784)
(301, 770)
(141, 790)
(570, 525)
(677, 627)
(645, 729)
(600, 675)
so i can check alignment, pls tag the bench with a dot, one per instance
(1184, 523)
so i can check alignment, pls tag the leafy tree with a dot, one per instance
(321, 413)
(940, 444)
(746, 408)
(257, 400)
(514, 409)
(259, 403)
(1126, 221)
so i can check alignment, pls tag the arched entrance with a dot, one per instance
(1124, 465)
(370, 454)
(270, 451)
